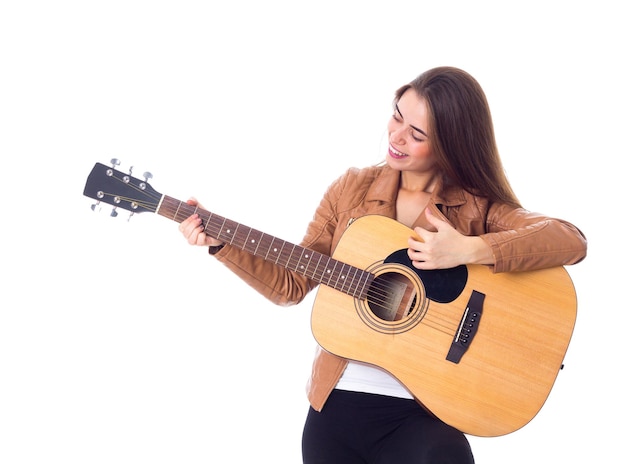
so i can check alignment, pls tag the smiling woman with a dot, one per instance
(121, 343)
(443, 179)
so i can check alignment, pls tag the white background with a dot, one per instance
(120, 343)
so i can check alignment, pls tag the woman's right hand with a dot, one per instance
(193, 229)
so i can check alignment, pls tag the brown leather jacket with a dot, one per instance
(520, 241)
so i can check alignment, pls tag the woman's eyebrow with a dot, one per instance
(416, 128)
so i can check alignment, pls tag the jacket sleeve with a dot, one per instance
(524, 241)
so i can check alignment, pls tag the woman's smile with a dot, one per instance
(395, 153)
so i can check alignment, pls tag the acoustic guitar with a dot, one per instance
(481, 351)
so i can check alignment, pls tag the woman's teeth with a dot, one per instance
(396, 152)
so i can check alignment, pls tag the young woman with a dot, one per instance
(444, 179)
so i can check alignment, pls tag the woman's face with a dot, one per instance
(409, 145)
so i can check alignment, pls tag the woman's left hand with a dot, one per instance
(446, 247)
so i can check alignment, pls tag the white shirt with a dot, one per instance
(367, 378)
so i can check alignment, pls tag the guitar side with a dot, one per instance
(501, 381)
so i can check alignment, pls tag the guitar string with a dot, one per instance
(378, 293)
(263, 249)
(169, 212)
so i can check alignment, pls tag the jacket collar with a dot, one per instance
(385, 189)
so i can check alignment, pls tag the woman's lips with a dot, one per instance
(395, 153)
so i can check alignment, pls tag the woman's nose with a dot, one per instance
(397, 137)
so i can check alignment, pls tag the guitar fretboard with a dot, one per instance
(316, 266)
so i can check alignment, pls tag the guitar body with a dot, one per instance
(517, 348)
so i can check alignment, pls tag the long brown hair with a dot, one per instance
(461, 133)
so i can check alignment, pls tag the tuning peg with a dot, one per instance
(147, 176)
(130, 216)
(115, 162)
(95, 205)
(114, 212)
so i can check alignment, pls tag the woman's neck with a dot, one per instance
(418, 182)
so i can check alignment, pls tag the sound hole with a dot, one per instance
(392, 296)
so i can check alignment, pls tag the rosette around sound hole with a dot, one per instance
(396, 300)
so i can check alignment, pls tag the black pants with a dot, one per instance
(361, 428)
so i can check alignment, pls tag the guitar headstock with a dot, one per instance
(108, 185)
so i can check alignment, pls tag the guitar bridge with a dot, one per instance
(467, 327)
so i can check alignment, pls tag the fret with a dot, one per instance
(209, 223)
(258, 243)
(360, 284)
(269, 248)
(329, 273)
(349, 280)
(279, 254)
(319, 260)
(176, 212)
(307, 256)
(221, 236)
(287, 264)
(340, 277)
(245, 242)
(301, 268)
(239, 245)
(263, 240)
(326, 261)
(296, 255)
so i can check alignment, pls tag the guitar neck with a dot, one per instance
(313, 265)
